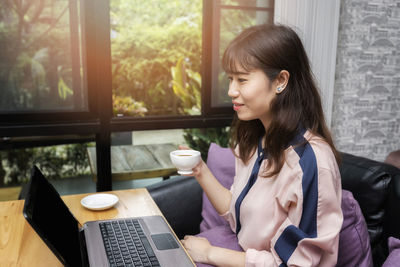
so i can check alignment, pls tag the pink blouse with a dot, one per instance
(293, 218)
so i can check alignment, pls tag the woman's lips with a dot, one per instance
(237, 106)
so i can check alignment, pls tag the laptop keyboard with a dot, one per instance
(126, 244)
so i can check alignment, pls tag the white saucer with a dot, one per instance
(185, 172)
(99, 201)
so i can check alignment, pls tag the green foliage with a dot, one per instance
(186, 85)
(55, 161)
(148, 39)
(200, 139)
(35, 70)
(128, 106)
(63, 90)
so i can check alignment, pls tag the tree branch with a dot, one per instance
(37, 12)
(50, 27)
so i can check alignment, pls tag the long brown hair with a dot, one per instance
(273, 48)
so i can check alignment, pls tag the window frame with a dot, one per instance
(99, 120)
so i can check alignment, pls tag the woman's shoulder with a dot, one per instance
(321, 150)
(316, 140)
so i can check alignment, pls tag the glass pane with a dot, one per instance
(156, 57)
(40, 56)
(232, 22)
(141, 158)
(251, 3)
(66, 167)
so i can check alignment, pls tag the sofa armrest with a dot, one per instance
(180, 201)
(376, 187)
(392, 222)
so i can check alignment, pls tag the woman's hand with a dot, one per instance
(202, 251)
(197, 247)
(219, 196)
(197, 169)
(181, 147)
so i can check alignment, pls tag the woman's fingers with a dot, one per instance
(186, 237)
(183, 147)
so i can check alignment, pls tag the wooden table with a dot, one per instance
(21, 246)
(137, 161)
(10, 193)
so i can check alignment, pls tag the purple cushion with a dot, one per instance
(220, 236)
(221, 162)
(394, 253)
(354, 246)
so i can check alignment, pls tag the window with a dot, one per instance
(66, 166)
(83, 67)
(156, 57)
(40, 57)
(157, 50)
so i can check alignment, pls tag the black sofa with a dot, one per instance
(375, 185)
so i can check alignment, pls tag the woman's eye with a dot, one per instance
(241, 80)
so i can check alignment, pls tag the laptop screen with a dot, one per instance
(51, 219)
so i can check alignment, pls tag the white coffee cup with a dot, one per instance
(185, 160)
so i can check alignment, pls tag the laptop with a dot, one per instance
(138, 241)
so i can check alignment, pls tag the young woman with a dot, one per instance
(285, 201)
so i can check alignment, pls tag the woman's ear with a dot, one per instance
(281, 81)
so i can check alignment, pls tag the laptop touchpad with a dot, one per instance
(164, 241)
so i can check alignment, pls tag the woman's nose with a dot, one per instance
(233, 90)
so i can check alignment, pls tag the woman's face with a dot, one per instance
(251, 93)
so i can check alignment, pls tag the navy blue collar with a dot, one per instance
(296, 140)
(299, 136)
